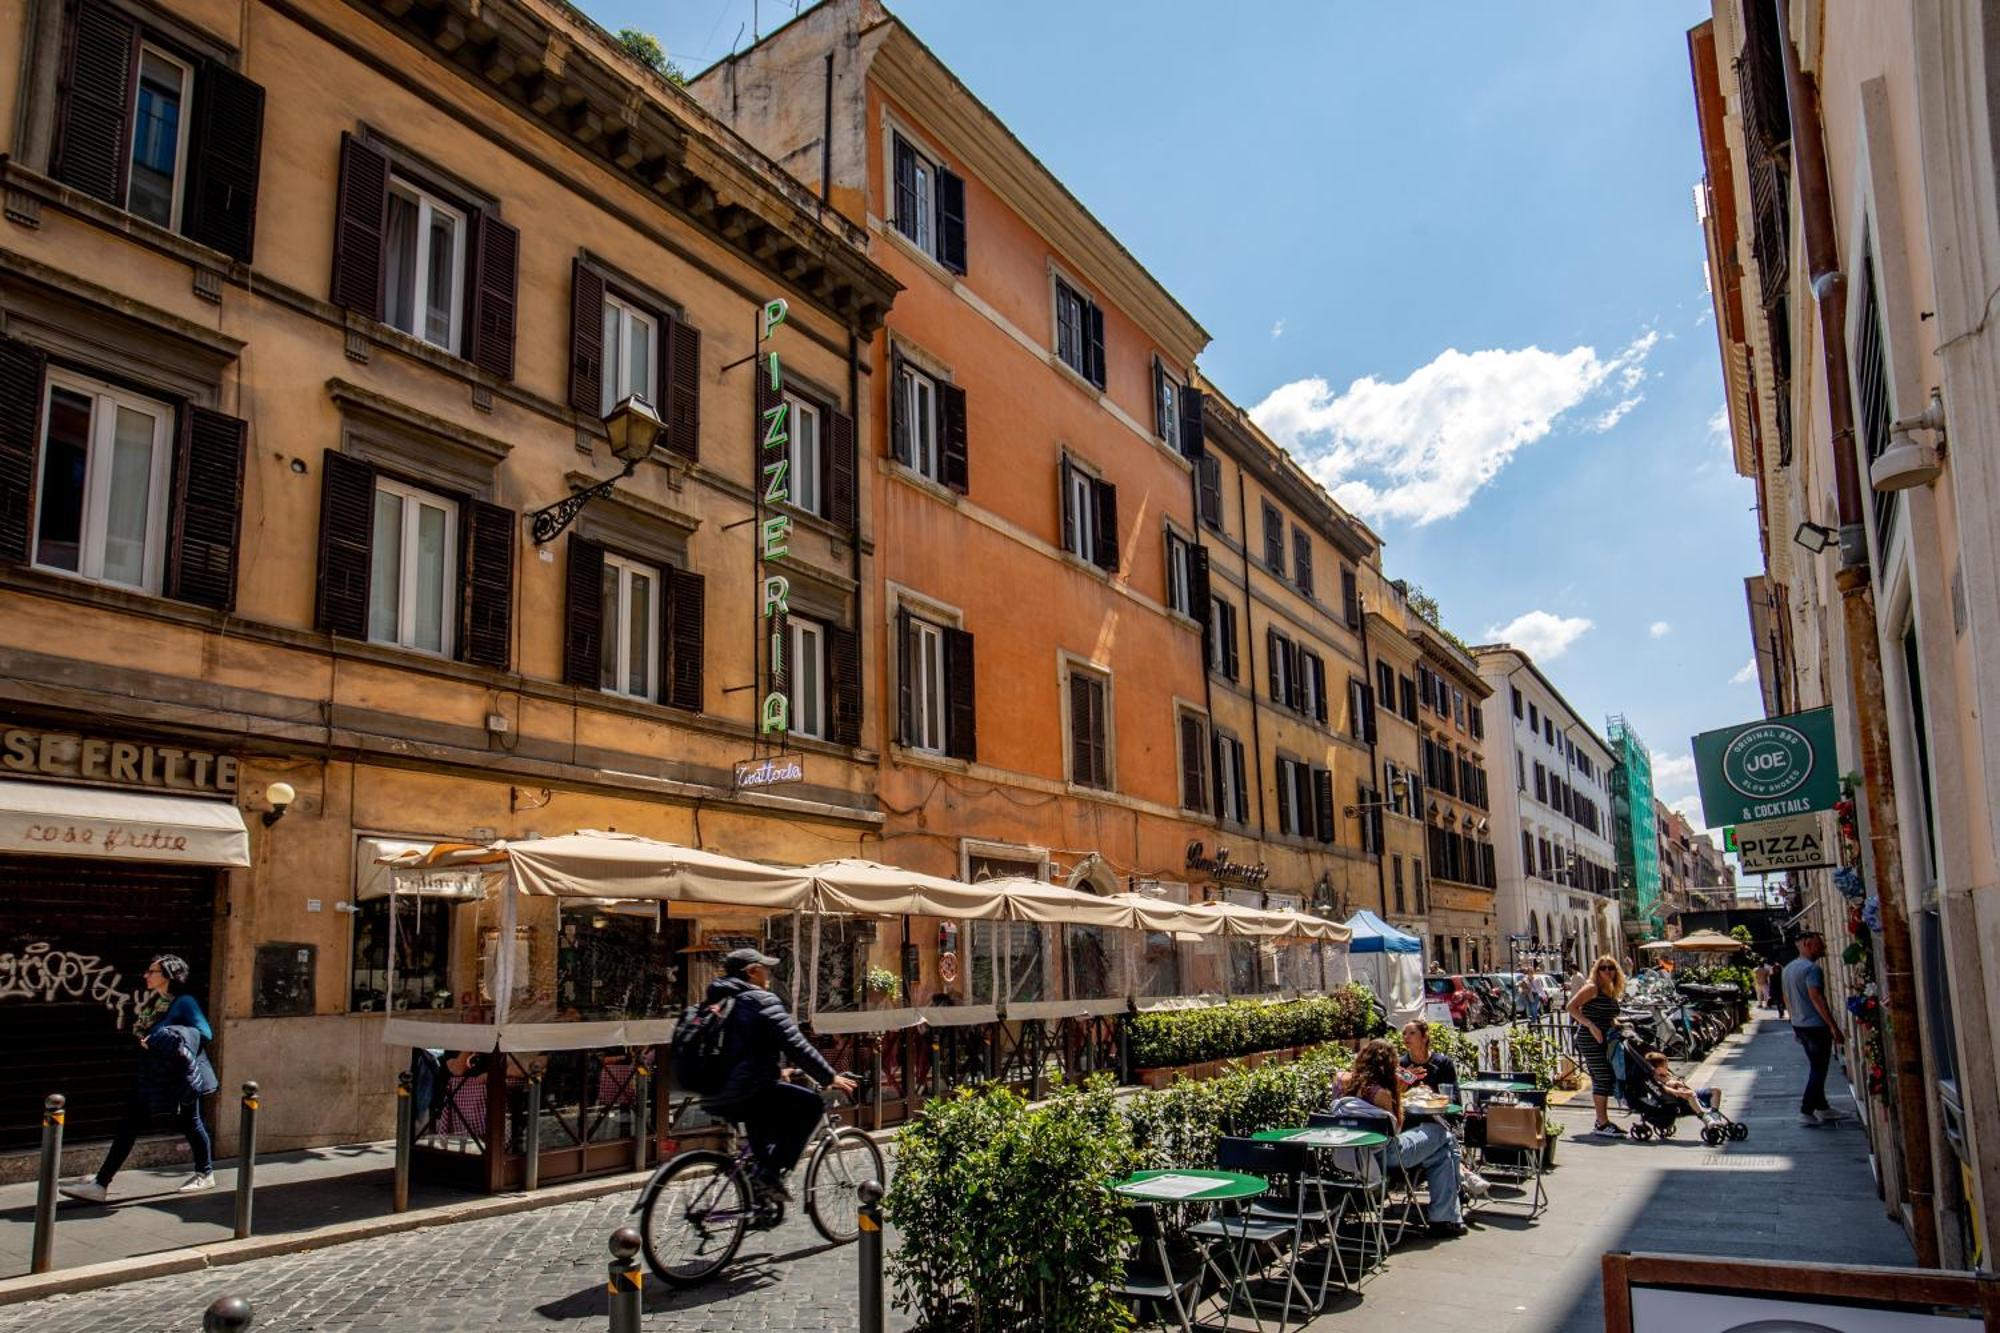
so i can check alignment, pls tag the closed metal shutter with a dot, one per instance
(75, 938)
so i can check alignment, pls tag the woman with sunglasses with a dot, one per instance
(1595, 1009)
(174, 1075)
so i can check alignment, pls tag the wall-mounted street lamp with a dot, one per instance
(279, 796)
(1815, 537)
(1906, 464)
(634, 428)
(1398, 789)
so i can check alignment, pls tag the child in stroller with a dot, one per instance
(1649, 1088)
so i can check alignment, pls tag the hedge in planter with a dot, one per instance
(1189, 1036)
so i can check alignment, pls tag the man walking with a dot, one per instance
(1813, 1023)
(1539, 992)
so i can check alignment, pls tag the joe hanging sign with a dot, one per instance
(1773, 769)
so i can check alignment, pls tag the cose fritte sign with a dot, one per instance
(1766, 770)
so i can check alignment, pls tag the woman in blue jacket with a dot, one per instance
(174, 1075)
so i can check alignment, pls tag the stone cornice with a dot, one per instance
(1229, 426)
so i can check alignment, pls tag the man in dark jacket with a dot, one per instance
(778, 1116)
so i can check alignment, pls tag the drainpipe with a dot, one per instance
(1250, 647)
(1374, 769)
(1864, 651)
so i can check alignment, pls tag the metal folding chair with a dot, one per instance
(1519, 1130)
(1152, 1280)
(1366, 1173)
(1249, 1229)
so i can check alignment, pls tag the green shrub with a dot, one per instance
(1189, 1036)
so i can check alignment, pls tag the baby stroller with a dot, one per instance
(1658, 1110)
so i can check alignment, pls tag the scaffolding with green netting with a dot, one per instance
(1638, 833)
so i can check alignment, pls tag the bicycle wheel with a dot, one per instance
(695, 1221)
(842, 1161)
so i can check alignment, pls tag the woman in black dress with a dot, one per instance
(1595, 1009)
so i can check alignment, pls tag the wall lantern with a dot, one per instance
(1906, 464)
(634, 428)
(1814, 537)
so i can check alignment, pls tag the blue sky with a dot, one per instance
(1449, 252)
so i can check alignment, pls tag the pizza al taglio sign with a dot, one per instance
(1779, 767)
(1800, 842)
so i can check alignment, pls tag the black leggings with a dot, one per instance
(139, 1117)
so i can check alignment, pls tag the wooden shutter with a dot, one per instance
(1322, 787)
(1194, 781)
(207, 506)
(1350, 599)
(951, 220)
(1193, 443)
(225, 152)
(1086, 729)
(1275, 647)
(1274, 538)
(683, 398)
(21, 369)
(583, 616)
(951, 437)
(843, 660)
(346, 543)
(1368, 712)
(487, 638)
(1104, 496)
(905, 686)
(1231, 661)
(1160, 422)
(899, 426)
(360, 223)
(1069, 516)
(1283, 772)
(496, 250)
(1209, 489)
(586, 339)
(1302, 560)
(906, 187)
(687, 638)
(1199, 589)
(95, 96)
(843, 468)
(1096, 361)
(1217, 757)
(961, 725)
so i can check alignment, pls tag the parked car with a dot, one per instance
(1464, 1002)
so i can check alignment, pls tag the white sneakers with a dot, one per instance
(1476, 1185)
(1831, 1117)
(199, 1181)
(86, 1189)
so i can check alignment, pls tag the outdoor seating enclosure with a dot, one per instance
(920, 982)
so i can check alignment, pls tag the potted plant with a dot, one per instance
(882, 984)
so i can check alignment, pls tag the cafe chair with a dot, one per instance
(1149, 1274)
(1261, 1228)
(1516, 1136)
(1377, 1187)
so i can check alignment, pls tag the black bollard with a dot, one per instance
(406, 1133)
(531, 1165)
(642, 1115)
(871, 1255)
(627, 1289)
(246, 1159)
(227, 1315)
(44, 1247)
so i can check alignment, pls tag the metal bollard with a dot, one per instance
(246, 1159)
(227, 1315)
(626, 1287)
(44, 1247)
(531, 1165)
(871, 1255)
(642, 1116)
(406, 1133)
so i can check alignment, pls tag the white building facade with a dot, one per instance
(1551, 813)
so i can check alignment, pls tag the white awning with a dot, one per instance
(50, 819)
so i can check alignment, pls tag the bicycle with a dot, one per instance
(699, 1204)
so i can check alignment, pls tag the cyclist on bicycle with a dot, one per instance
(777, 1116)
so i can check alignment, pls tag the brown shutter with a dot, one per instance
(951, 437)
(1105, 496)
(961, 726)
(1302, 560)
(346, 542)
(94, 92)
(1274, 649)
(1194, 784)
(21, 368)
(905, 687)
(1160, 423)
(1319, 687)
(1069, 517)
(583, 615)
(1282, 771)
(843, 469)
(1350, 599)
(225, 150)
(1193, 445)
(207, 506)
(687, 638)
(488, 638)
(496, 250)
(586, 339)
(843, 660)
(899, 427)
(1322, 786)
(1209, 489)
(1083, 751)
(1198, 587)
(360, 224)
(1217, 757)
(1096, 345)
(683, 396)
(951, 220)
(1242, 782)
(906, 186)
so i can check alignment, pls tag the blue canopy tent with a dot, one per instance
(1390, 961)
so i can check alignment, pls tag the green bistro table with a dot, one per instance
(1161, 1188)
(1449, 1111)
(1323, 1136)
(1492, 1085)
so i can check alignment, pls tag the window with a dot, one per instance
(1312, 685)
(917, 395)
(630, 664)
(1549, 729)
(1517, 699)
(1478, 721)
(936, 696)
(1166, 407)
(1302, 560)
(414, 548)
(423, 953)
(1194, 760)
(1350, 599)
(1396, 877)
(1417, 883)
(806, 669)
(1180, 573)
(1541, 783)
(1089, 516)
(1406, 690)
(1360, 710)
(1458, 706)
(631, 354)
(1284, 686)
(1292, 778)
(100, 506)
(930, 205)
(1089, 729)
(808, 486)
(1222, 653)
(159, 137)
(1208, 490)
(1274, 539)
(1079, 333)
(1385, 684)
(1534, 717)
(926, 686)
(1232, 796)
(424, 264)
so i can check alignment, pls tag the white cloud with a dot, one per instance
(1278, 330)
(1420, 448)
(1659, 629)
(1541, 634)
(1747, 675)
(1673, 772)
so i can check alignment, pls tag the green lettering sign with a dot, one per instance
(1768, 770)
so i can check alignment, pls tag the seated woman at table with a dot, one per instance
(1428, 1147)
(1421, 1064)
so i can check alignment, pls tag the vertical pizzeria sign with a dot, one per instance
(774, 529)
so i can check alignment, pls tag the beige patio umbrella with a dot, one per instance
(1702, 941)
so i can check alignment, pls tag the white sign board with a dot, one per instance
(1799, 842)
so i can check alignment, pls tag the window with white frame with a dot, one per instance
(413, 580)
(631, 354)
(631, 656)
(159, 136)
(919, 397)
(1168, 411)
(916, 209)
(1081, 502)
(808, 486)
(927, 697)
(424, 264)
(806, 663)
(100, 509)
(1180, 573)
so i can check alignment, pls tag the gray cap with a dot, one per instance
(736, 960)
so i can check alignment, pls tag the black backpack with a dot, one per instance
(699, 1063)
